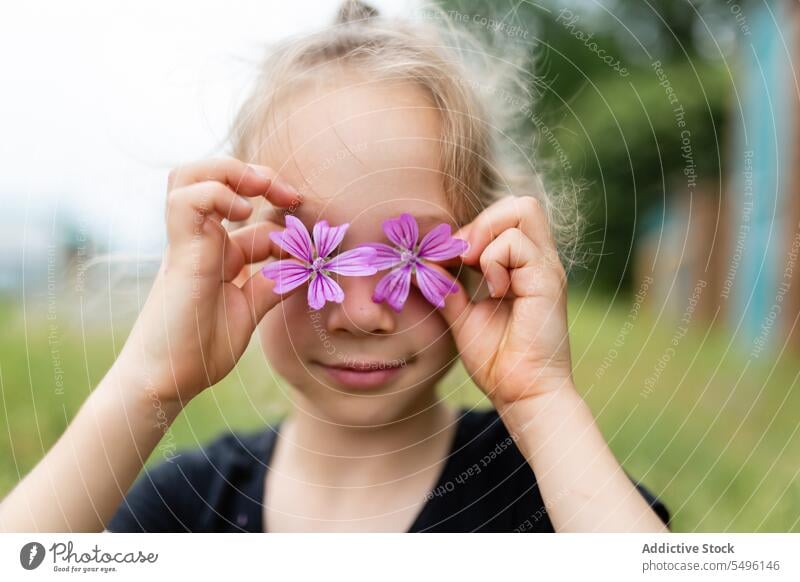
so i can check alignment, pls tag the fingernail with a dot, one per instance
(491, 289)
(244, 203)
(286, 186)
(259, 171)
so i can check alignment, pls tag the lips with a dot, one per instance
(364, 374)
(369, 366)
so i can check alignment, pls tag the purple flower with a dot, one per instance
(406, 258)
(314, 263)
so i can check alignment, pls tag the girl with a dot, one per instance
(369, 126)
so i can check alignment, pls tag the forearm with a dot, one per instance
(85, 475)
(583, 486)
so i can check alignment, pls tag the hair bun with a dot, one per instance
(353, 11)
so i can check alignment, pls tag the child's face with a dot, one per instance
(360, 153)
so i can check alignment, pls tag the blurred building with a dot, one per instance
(43, 253)
(728, 251)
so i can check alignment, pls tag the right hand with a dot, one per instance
(196, 322)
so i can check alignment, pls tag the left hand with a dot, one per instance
(514, 344)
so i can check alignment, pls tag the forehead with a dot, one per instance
(361, 150)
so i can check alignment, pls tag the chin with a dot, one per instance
(367, 410)
(372, 413)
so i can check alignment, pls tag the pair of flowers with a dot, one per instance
(404, 258)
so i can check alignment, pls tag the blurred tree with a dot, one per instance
(630, 102)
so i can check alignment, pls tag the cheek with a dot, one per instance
(286, 333)
(426, 328)
(430, 339)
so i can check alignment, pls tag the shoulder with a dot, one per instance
(654, 502)
(221, 456)
(482, 432)
(491, 438)
(222, 453)
(180, 492)
(488, 485)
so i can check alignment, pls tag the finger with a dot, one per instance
(246, 179)
(260, 296)
(456, 305)
(463, 232)
(249, 245)
(510, 250)
(513, 263)
(188, 209)
(524, 213)
(255, 244)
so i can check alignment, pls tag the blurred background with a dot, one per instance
(677, 121)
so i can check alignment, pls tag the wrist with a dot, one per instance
(544, 390)
(543, 407)
(135, 390)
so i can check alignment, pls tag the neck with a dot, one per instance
(327, 452)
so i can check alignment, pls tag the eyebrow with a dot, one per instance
(425, 221)
(430, 219)
(278, 214)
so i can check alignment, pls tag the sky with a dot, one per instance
(101, 99)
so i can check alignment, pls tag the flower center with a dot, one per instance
(316, 266)
(407, 256)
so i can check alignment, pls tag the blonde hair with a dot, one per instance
(480, 160)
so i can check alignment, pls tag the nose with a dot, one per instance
(358, 315)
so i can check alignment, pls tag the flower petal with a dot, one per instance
(386, 256)
(438, 245)
(394, 287)
(356, 262)
(434, 286)
(402, 231)
(327, 238)
(287, 274)
(294, 239)
(321, 289)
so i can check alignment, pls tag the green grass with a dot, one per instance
(716, 438)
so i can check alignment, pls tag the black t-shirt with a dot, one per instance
(485, 486)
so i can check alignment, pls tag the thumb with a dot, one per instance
(260, 296)
(457, 305)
